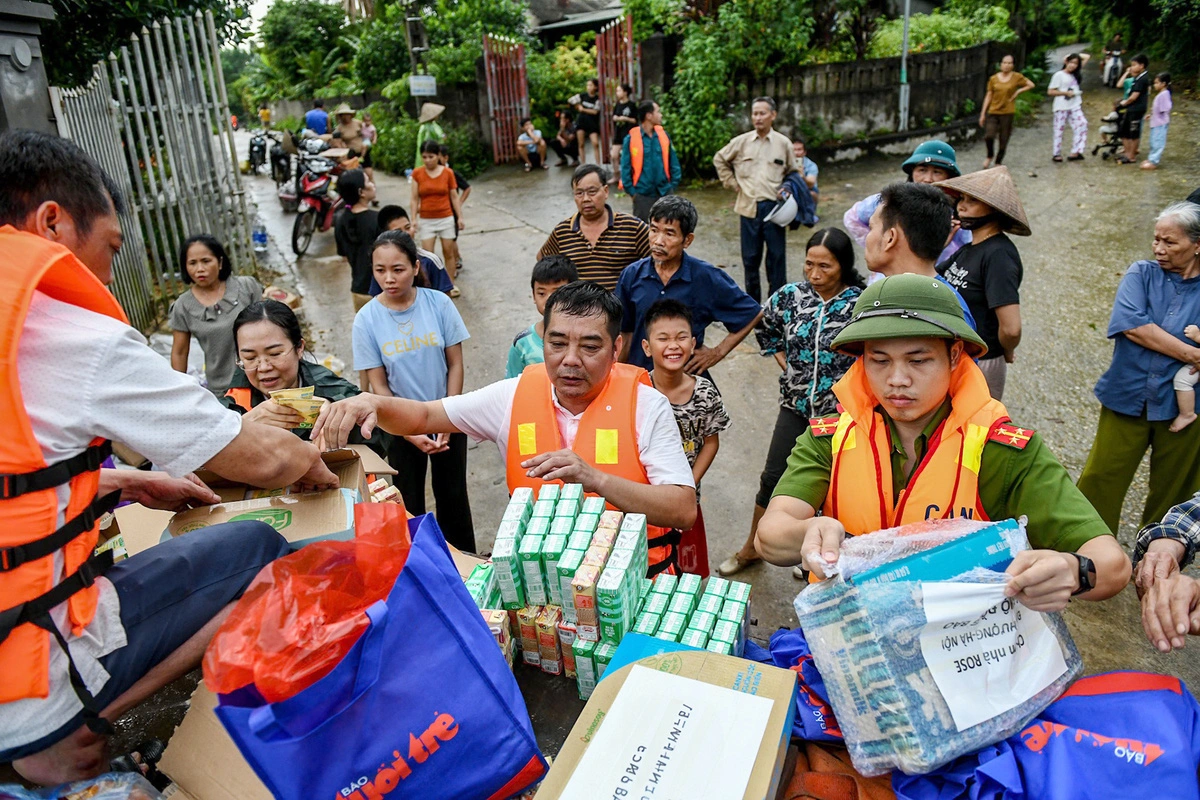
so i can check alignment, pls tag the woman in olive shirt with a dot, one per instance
(270, 357)
(1000, 106)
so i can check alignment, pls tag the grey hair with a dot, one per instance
(1187, 215)
(770, 101)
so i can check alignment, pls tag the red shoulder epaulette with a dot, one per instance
(823, 426)
(1009, 434)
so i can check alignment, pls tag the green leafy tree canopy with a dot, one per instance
(298, 36)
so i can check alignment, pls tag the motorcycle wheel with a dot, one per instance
(302, 230)
(280, 171)
(255, 165)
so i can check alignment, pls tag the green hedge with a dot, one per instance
(396, 150)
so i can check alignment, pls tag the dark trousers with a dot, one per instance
(641, 206)
(997, 126)
(449, 486)
(757, 233)
(568, 153)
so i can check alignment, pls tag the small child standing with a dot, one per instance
(1160, 119)
(549, 275)
(699, 410)
(1185, 387)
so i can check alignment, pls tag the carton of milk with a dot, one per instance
(530, 554)
(552, 551)
(568, 565)
(506, 564)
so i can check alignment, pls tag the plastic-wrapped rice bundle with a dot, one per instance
(921, 672)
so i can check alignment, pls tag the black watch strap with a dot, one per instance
(1087, 575)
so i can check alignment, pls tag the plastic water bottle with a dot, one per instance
(259, 238)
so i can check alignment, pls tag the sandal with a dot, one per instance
(454, 292)
(735, 564)
(527, 168)
(1057, 159)
(1076, 157)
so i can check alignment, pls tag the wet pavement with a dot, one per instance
(1090, 220)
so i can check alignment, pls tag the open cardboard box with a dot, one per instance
(351, 464)
(740, 675)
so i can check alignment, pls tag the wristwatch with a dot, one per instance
(1087, 574)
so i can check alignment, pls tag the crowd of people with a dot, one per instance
(890, 389)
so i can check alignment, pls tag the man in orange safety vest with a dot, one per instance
(649, 165)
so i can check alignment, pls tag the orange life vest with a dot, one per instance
(637, 151)
(29, 534)
(945, 483)
(607, 439)
(241, 396)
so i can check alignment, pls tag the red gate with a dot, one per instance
(616, 63)
(508, 93)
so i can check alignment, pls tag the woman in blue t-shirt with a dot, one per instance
(408, 340)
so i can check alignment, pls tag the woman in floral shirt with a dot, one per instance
(799, 323)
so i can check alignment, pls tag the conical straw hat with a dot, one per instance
(996, 188)
(430, 112)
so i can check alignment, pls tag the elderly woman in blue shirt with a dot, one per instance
(1155, 301)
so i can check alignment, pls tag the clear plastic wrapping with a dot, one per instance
(113, 786)
(866, 641)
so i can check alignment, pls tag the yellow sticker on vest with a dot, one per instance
(606, 446)
(527, 438)
(972, 452)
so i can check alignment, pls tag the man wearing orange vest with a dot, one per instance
(580, 417)
(649, 166)
(919, 437)
(83, 640)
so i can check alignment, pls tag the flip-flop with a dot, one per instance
(527, 168)
(1057, 159)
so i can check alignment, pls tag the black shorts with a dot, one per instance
(789, 426)
(1130, 126)
(588, 123)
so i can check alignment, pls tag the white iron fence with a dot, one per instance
(156, 118)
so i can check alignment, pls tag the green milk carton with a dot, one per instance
(530, 553)
(579, 540)
(537, 526)
(567, 565)
(587, 522)
(585, 663)
(592, 505)
(647, 624)
(717, 586)
(509, 575)
(694, 638)
(550, 491)
(561, 526)
(682, 603)
(552, 550)
(567, 508)
(611, 604)
(737, 612)
(572, 491)
(718, 646)
(604, 654)
(673, 625)
(520, 513)
(665, 584)
(544, 508)
(656, 604)
(738, 591)
(521, 496)
(510, 529)
(710, 604)
(702, 621)
(644, 585)
(688, 584)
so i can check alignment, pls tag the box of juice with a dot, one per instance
(592, 505)
(682, 603)
(567, 508)
(647, 624)
(568, 565)
(548, 646)
(702, 621)
(579, 540)
(604, 654)
(550, 491)
(665, 584)
(571, 491)
(561, 526)
(583, 586)
(595, 556)
(587, 522)
(530, 553)
(497, 622)
(552, 550)
(604, 537)
(717, 586)
(710, 604)
(530, 648)
(611, 520)
(566, 643)
(718, 646)
(521, 496)
(509, 575)
(543, 508)
(694, 638)
(584, 653)
(738, 591)
(688, 583)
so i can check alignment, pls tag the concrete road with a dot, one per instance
(1090, 221)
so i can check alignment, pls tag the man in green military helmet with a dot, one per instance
(920, 437)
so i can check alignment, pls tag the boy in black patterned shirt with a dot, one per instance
(696, 403)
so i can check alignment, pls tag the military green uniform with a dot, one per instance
(325, 384)
(1018, 475)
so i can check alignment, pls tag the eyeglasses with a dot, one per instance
(589, 193)
(252, 364)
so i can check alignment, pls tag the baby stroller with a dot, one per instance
(1110, 142)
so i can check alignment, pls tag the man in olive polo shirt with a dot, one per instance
(921, 438)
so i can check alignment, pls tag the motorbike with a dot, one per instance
(1113, 67)
(317, 201)
(280, 161)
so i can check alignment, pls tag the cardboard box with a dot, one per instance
(203, 761)
(351, 464)
(766, 684)
(300, 518)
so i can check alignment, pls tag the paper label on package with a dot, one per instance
(667, 736)
(987, 652)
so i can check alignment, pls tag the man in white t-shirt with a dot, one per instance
(582, 341)
(84, 375)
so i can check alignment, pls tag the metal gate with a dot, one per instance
(156, 118)
(508, 93)
(616, 63)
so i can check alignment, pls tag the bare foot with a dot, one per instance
(1182, 421)
(1149, 165)
(987, 162)
(80, 756)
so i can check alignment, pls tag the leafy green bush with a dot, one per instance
(382, 55)
(555, 75)
(939, 31)
(396, 149)
(302, 40)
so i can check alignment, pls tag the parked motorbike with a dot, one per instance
(1113, 67)
(318, 202)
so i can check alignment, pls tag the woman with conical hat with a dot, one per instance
(987, 272)
(429, 128)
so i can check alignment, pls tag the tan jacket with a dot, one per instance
(755, 167)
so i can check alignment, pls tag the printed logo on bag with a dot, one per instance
(277, 518)
(389, 776)
(1132, 751)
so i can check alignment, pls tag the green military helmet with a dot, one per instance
(907, 306)
(936, 154)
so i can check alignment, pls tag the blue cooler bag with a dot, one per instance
(423, 706)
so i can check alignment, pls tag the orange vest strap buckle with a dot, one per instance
(13, 557)
(56, 474)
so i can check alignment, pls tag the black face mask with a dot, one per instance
(974, 223)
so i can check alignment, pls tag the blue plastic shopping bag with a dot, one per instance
(423, 706)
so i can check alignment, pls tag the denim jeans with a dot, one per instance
(1158, 141)
(756, 233)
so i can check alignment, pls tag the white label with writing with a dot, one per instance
(987, 652)
(672, 737)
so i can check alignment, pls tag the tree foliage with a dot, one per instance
(557, 74)
(937, 31)
(300, 38)
(83, 33)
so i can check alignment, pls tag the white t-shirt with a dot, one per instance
(484, 414)
(1063, 81)
(85, 375)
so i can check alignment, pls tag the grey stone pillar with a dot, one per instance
(24, 92)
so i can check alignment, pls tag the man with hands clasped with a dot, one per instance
(1170, 599)
(920, 438)
(581, 417)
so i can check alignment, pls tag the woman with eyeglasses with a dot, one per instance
(270, 357)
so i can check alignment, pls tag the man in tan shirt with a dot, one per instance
(754, 164)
